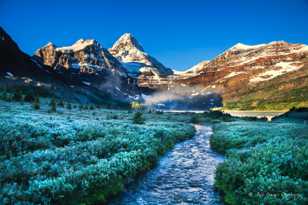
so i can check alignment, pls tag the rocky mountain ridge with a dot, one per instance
(247, 74)
(244, 76)
(52, 71)
(84, 56)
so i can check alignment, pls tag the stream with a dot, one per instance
(184, 175)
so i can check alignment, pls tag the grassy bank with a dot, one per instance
(266, 162)
(77, 156)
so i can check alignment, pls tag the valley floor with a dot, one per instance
(77, 156)
(266, 162)
(80, 155)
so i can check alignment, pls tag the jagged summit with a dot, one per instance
(128, 50)
(49, 44)
(127, 41)
(84, 56)
(79, 45)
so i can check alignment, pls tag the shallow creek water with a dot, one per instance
(185, 175)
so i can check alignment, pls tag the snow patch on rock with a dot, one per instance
(78, 45)
(232, 74)
(278, 70)
(241, 46)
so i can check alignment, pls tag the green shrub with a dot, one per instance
(138, 118)
(36, 103)
(195, 119)
(218, 116)
(114, 117)
(4, 95)
(53, 105)
(17, 96)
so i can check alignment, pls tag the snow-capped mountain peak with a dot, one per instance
(49, 44)
(128, 50)
(194, 70)
(241, 46)
(197, 68)
(127, 41)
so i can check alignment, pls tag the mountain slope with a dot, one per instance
(249, 77)
(264, 76)
(14, 61)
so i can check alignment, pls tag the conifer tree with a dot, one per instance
(138, 118)
(36, 103)
(53, 105)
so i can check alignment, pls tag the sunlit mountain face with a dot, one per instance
(244, 76)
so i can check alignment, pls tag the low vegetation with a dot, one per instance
(270, 99)
(74, 156)
(57, 152)
(266, 162)
(138, 118)
(196, 118)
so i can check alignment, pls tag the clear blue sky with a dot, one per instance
(179, 33)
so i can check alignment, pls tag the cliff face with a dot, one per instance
(87, 61)
(84, 56)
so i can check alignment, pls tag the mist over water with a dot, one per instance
(184, 97)
(160, 97)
